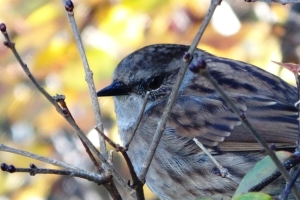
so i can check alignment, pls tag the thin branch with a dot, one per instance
(223, 171)
(89, 74)
(97, 178)
(107, 166)
(139, 119)
(287, 190)
(112, 189)
(11, 45)
(37, 157)
(199, 144)
(162, 123)
(110, 186)
(297, 77)
(61, 100)
(52, 100)
(107, 139)
(136, 183)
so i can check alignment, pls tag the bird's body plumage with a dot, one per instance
(180, 170)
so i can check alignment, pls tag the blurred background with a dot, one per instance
(256, 33)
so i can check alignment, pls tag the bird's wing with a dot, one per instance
(265, 99)
(240, 78)
(214, 124)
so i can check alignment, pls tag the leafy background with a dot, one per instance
(252, 32)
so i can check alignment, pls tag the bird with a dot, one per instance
(180, 169)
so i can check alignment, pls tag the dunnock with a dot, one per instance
(180, 170)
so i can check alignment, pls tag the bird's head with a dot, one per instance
(151, 69)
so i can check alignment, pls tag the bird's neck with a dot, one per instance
(127, 110)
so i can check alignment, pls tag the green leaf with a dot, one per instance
(262, 170)
(253, 196)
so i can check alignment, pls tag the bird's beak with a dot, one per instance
(114, 89)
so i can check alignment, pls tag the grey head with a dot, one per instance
(152, 68)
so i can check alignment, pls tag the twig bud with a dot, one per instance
(6, 43)
(69, 6)
(11, 169)
(59, 97)
(4, 167)
(187, 57)
(195, 67)
(32, 166)
(2, 27)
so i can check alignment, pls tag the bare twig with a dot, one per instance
(287, 190)
(89, 74)
(297, 77)
(97, 178)
(11, 45)
(37, 157)
(199, 144)
(107, 166)
(105, 163)
(223, 171)
(70, 170)
(107, 139)
(61, 100)
(138, 119)
(110, 186)
(162, 123)
(136, 184)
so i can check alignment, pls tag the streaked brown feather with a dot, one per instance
(261, 104)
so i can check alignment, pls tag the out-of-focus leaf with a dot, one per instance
(144, 5)
(43, 15)
(54, 56)
(260, 172)
(123, 22)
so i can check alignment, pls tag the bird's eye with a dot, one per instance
(155, 83)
